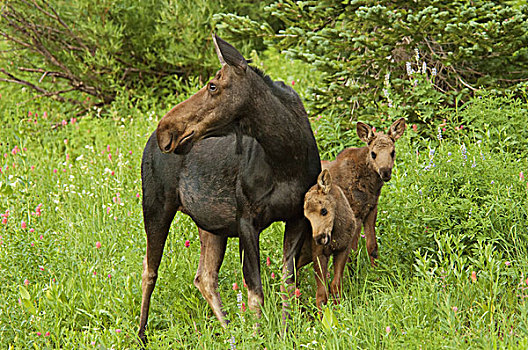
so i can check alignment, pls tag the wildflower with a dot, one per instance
(4, 221)
(95, 273)
(26, 282)
(47, 334)
(24, 225)
(41, 237)
(492, 182)
(521, 176)
(439, 136)
(31, 230)
(293, 82)
(130, 152)
(408, 67)
(112, 173)
(507, 263)
(273, 275)
(45, 115)
(187, 243)
(73, 120)
(232, 343)
(109, 276)
(463, 150)
(235, 286)
(41, 268)
(137, 195)
(268, 261)
(415, 127)
(433, 72)
(388, 329)
(38, 333)
(118, 331)
(97, 244)
(55, 171)
(424, 67)
(64, 122)
(32, 168)
(297, 292)
(473, 276)
(455, 309)
(243, 307)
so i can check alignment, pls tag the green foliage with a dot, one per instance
(68, 50)
(458, 47)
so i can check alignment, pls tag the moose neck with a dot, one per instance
(281, 128)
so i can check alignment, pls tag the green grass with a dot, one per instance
(445, 214)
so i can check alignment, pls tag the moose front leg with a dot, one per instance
(212, 250)
(336, 286)
(370, 235)
(320, 262)
(250, 256)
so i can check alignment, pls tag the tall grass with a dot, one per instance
(452, 229)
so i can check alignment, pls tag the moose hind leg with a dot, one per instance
(157, 224)
(212, 250)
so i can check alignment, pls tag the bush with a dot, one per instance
(68, 50)
(457, 46)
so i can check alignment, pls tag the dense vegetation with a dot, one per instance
(452, 226)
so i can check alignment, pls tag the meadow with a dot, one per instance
(452, 231)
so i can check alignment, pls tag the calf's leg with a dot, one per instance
(320, 262)
(370, 235)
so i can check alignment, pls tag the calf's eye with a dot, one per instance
(373, 155)
(324, 211)
(212, 87)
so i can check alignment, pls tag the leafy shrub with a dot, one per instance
(465, 45)
(68, 50)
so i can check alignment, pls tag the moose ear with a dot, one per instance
(324, 181)
(397, 128)
(227, 54)
(364, 132)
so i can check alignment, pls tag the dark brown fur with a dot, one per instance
(334, 229)
(236, 156)
(361, 173)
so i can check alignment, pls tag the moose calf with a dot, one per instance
(361, 173)
(334, 227)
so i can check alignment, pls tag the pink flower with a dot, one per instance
(112, 173)
(297, 292)
(32, 167)
(67, 157)
(41, 237)
(109, 276)
(41, 268)
(108, 148)
(235, 286)
(268, 261)
(98, 244)
(415, 127)
(4, 221)
(95, 273)
(65, 141)
(38, 333)
(32, 244)
(293, 82)
(110, 156)
(507, 263)
(26, 282)
(455, 309)
(73, 120)
(130, 152)
(31, 230)
(55, 171)
(118, 331)
(45, 115)
(243, 307)
(273, 275)
(64, 122)
(521, 176)
(47, 334)
(24, 225)
(473, 276)
(187, 243)
(137, 195)
(388, 329)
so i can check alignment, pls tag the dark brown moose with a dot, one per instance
(236, 156)
(334, 227)
(361, 173)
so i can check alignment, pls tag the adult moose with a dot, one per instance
(236, 156)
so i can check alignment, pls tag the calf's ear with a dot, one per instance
(397, 128)
(364, 132)
(324, 181)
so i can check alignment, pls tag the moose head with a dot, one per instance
(212, 110)
(381, 146)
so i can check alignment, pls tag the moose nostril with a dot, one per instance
(167, 148)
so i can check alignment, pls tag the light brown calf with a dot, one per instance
(333, 228)
(361, 173)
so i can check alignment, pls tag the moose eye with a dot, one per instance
(212, 87)
(324, 211)
(393, 153)
(373, 155)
